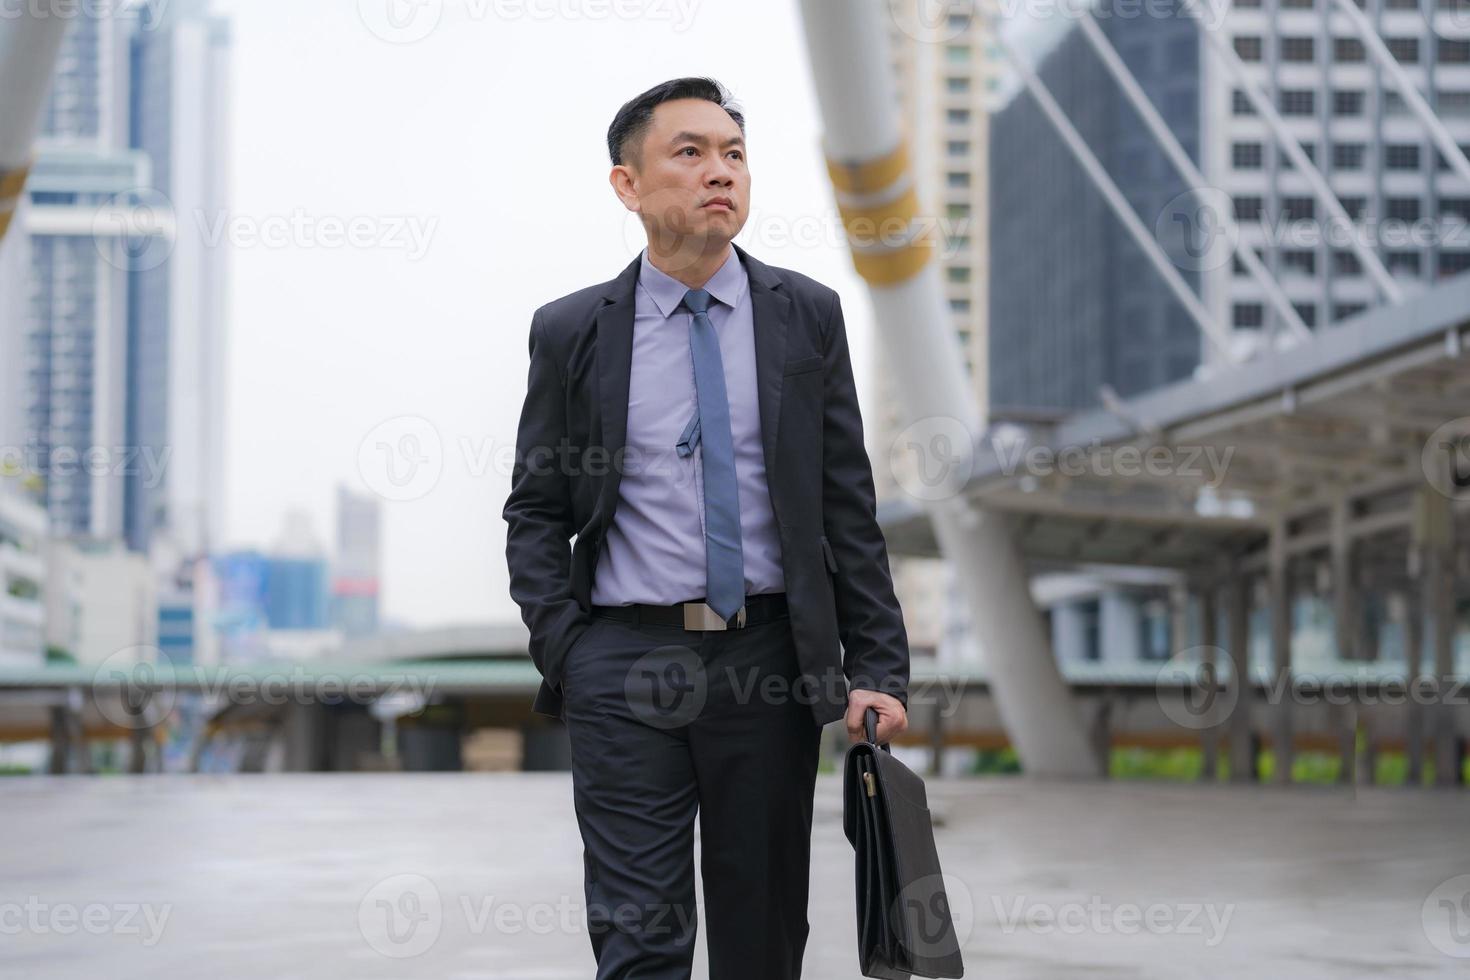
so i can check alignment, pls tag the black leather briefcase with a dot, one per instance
(903, 919)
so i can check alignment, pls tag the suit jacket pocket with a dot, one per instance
(828, 556)
(802, 365)
(568, 658)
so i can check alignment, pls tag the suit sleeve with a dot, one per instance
(539, 518)
(869, 620)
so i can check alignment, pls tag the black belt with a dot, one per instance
(696, 615)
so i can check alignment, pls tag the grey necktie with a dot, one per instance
(724, 558)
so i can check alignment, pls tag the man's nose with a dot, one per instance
(723, 175)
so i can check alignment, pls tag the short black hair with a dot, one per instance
(625, 135)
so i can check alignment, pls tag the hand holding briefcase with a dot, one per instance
(903, 919)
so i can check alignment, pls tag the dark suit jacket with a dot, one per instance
(564, 482)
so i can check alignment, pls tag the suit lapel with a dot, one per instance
(769, 306)
(614, 347)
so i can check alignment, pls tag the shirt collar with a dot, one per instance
(727, 285)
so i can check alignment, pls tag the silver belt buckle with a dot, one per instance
(699, 616)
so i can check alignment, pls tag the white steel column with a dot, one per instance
(1281, 714)
(29, 41)
(848, 48)
(1434, 533)
(1346, 606)
(1239, 726)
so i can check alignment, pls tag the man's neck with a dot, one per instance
(693, 273)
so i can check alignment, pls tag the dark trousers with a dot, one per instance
(666, 723)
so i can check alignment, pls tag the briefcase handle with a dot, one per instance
(870, 728)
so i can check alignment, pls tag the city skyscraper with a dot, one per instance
(67, 321)
(111, 301)
(15, 264)
(356, 571)
(117, 390)
(1407, 205)
(180, 94)
(1076, 304)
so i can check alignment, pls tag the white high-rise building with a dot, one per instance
(65, 320)
(356, 572)
(22, 578)
(15, 263)
(181, 85)
(1409, 207)
(101, 600)
(116, 314)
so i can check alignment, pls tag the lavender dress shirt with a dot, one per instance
(654, 550)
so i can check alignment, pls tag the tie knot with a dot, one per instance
(697, 300)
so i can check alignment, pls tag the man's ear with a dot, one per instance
(622, 181)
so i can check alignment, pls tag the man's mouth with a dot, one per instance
(720, 202)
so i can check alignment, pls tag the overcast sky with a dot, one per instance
(471, 168)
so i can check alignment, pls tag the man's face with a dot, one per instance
(691, 184)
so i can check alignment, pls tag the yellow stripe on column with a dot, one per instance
(892, 266)
(867, 176)
(881, 264)
(859, 220)
(870, 228)
(11, 183)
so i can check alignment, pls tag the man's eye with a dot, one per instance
(687, 149)
(738, 154)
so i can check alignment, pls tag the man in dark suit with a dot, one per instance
(695, 425)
